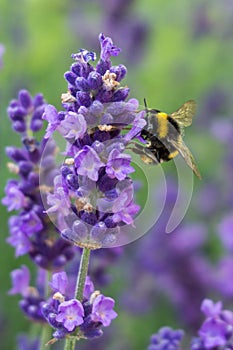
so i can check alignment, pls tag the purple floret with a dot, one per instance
(20, 281)
(73, 126)
(102, 310)
(51, 115)
(119, 165)
(15, 198)
(70, 314)
(88, 288)
(59, 282)
(107, 48)
(214, 333)
(88, 163)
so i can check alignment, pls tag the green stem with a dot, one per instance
(45, 337)
(70, 344)
(83, 268)
(82, 274)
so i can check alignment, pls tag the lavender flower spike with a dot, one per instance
(30, 229)
(93, 194)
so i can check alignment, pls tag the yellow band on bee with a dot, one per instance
(173, 154)
(162, 115)
(162, 124)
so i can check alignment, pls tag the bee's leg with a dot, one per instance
(145, 153)
(136, 148)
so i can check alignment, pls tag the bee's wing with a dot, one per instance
(187, 155)
(184, 115)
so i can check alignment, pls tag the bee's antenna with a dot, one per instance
(145, 104)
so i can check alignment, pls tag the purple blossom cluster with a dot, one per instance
(93, 195)
(165, 339)
(217, 329)
(32, 297)
(30, 230)
(61, 311)
(67, 315)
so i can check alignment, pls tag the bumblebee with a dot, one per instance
(164, 136)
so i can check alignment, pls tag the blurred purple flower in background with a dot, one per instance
(30, 231)
(20, 281)
(117, 18)
(215, 332)
(25, 343)
(173, 265)
(166, 338)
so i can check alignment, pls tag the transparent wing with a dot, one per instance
(184, 115)
(187, 155)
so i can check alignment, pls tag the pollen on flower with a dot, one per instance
(109, 80)
(105, 127)
(45, 188)
(32, 291)
(67, 97)
(88, 207)
(83, 204)
(58, 296)
(94, 295)
(69, 161)
(13, 168)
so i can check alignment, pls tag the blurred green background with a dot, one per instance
(185, 51)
